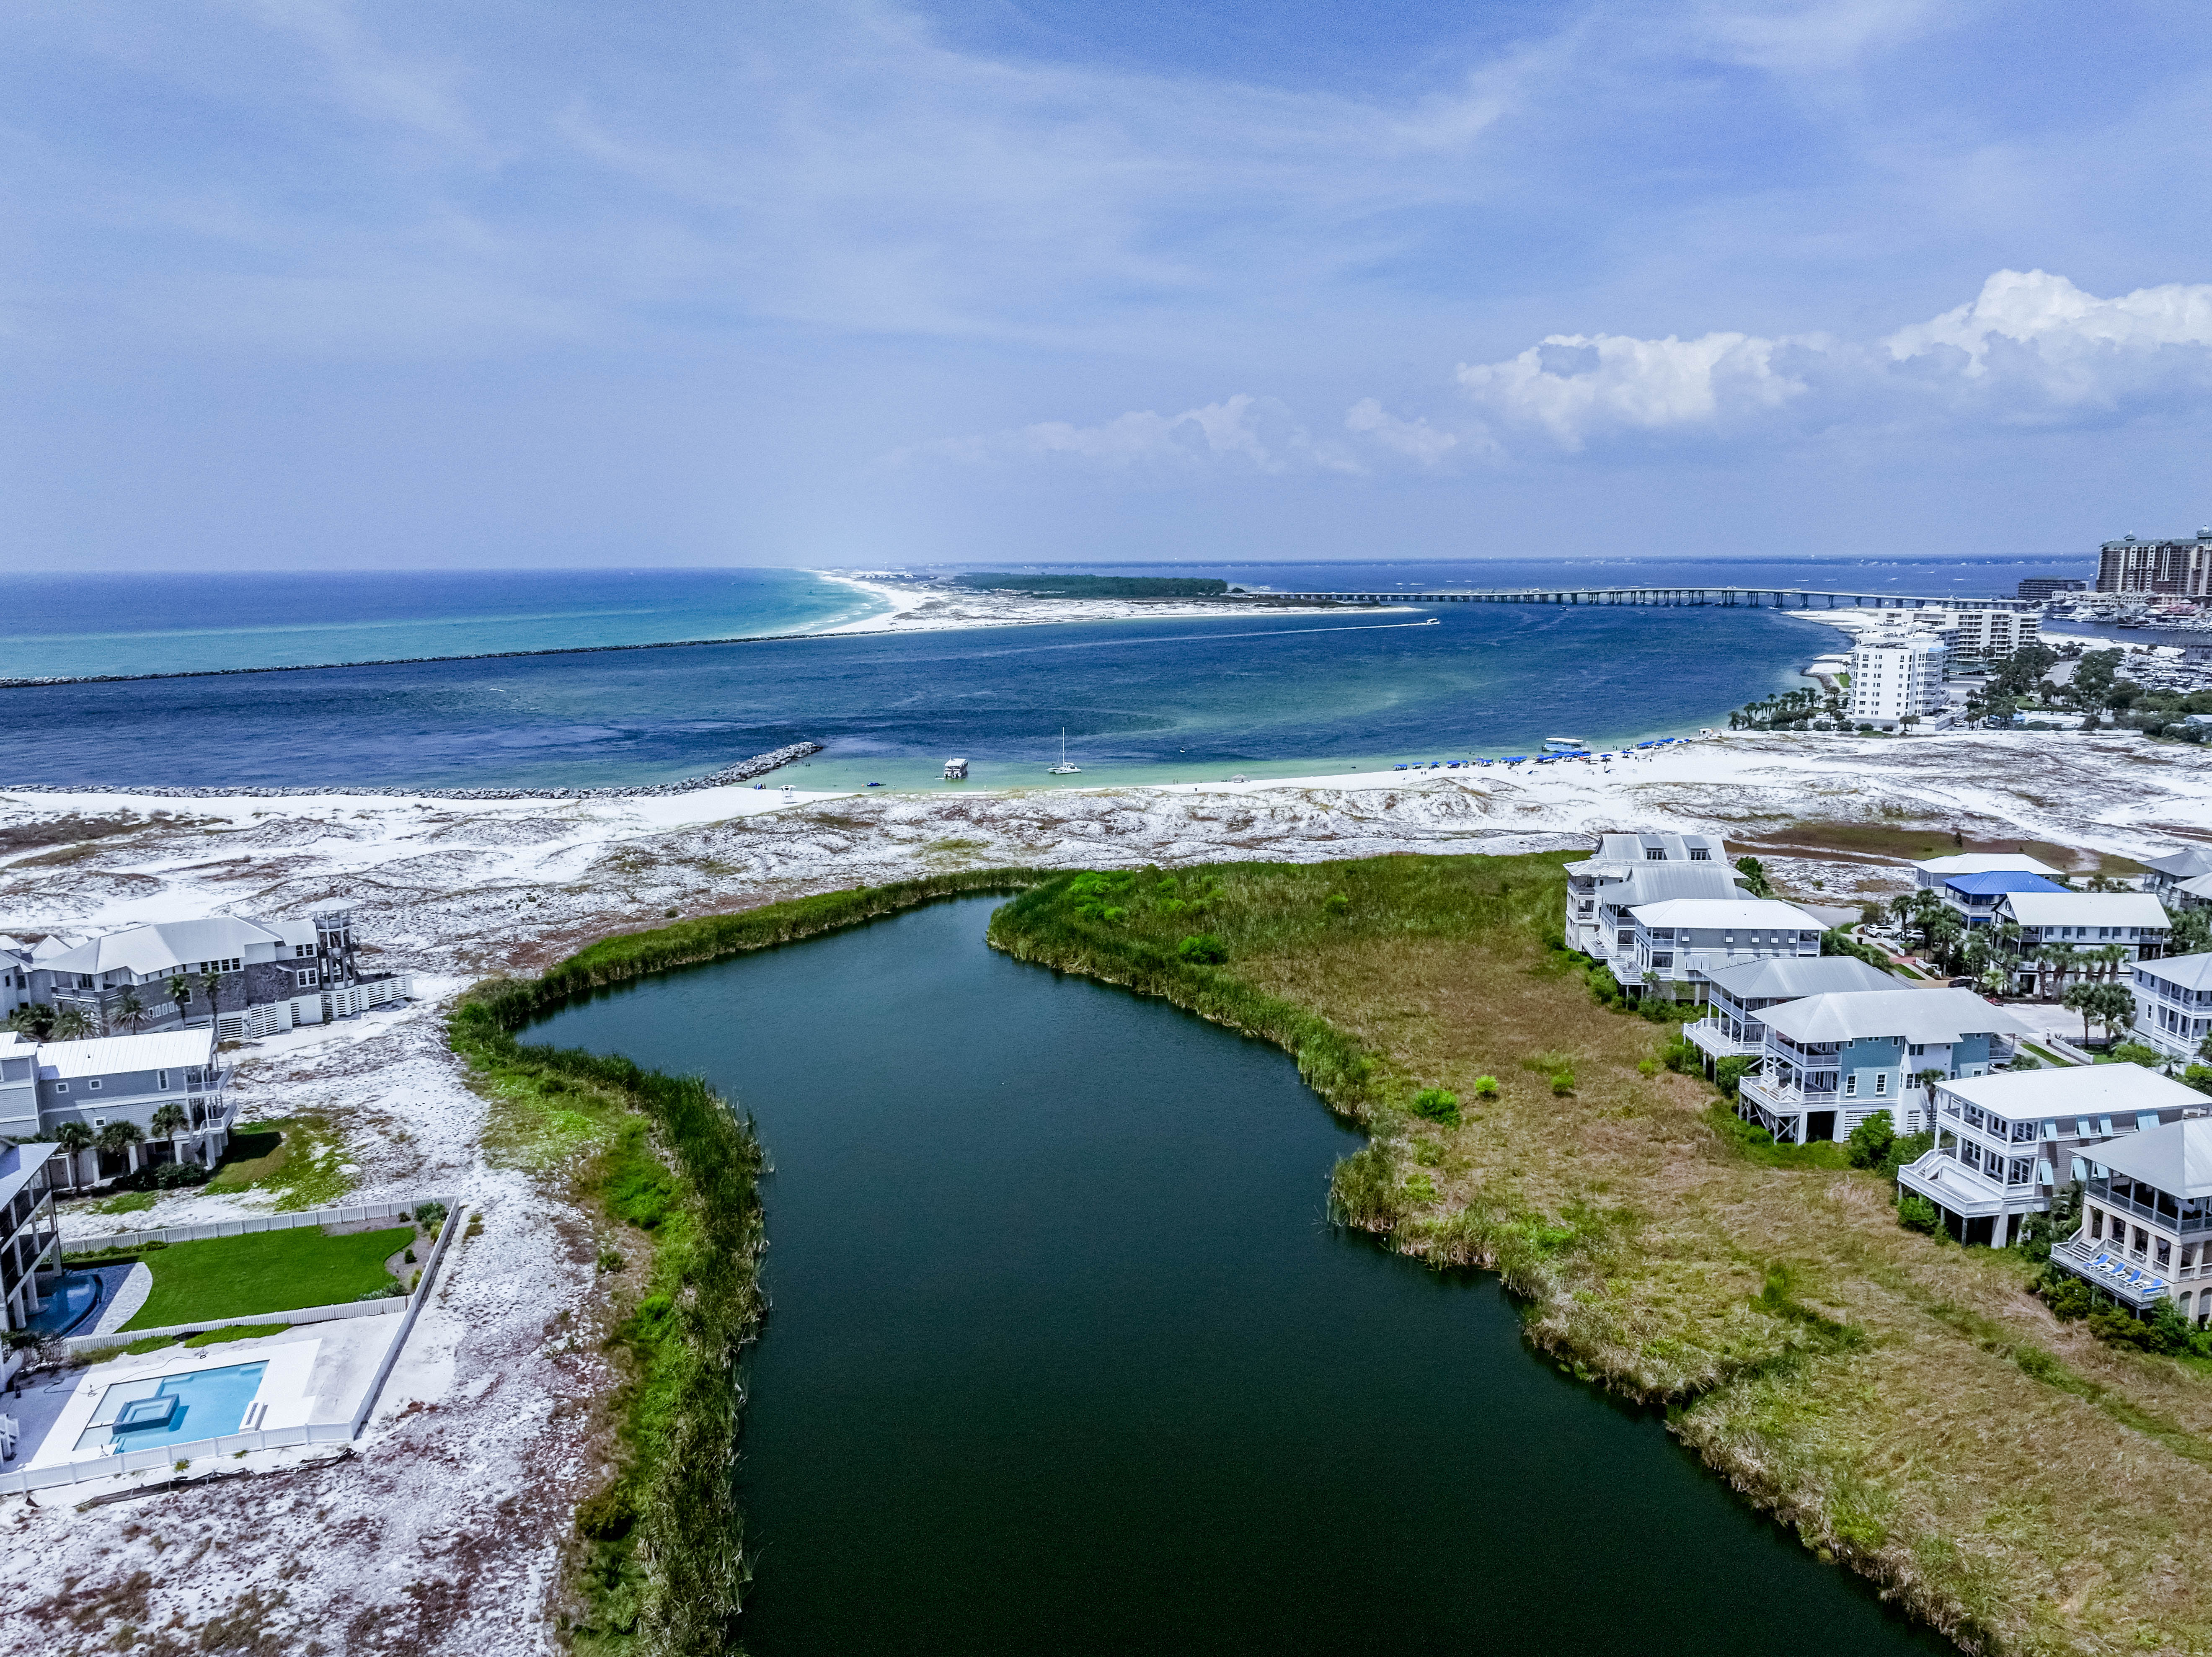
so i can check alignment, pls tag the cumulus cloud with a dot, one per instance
(1241, 433)
(1575, 385)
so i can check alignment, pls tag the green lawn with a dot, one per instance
(264, 1272)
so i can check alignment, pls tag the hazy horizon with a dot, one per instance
(864, 283)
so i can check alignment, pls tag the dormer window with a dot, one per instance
(1655, 854)
(1698, 854)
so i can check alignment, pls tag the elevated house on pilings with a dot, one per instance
(1737, 997)
(1831, 1061)
(2006, 1142)
(1632, 869)
(2147, 1220)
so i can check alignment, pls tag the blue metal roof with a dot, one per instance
(2002, 880)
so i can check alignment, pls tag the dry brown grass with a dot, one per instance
(1906, 1403)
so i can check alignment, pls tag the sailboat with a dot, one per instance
(1064, 769)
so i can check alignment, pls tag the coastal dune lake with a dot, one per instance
(1064, 1355)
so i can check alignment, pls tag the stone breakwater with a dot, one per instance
(745, 771)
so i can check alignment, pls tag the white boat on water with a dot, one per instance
(1565, 745)
(1064, 769)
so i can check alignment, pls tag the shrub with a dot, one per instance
(1682, 1057)
(1202, 949)
(1434, 1105)
(171, 1176)
(610, 1260)
(607, 1516)
(2025, 1061)
(2199, 1076)
(2066, 1295)
(2135, 1053)
(1486, 1087)
(429, 1213)
(1906, 1147)
(1730, 1074)
(1362, 1188)
(1562, 1083)
(1918, 1214)
(1336, 903)
(1870, 1141)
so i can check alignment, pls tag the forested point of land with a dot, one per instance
(1096, 586)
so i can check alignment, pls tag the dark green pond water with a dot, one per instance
(1066, 1358)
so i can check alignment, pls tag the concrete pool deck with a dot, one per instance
(318, 1374)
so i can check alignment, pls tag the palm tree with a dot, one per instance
(34, 1019)
(2112, 957)
(72, 1138)
(170, 1121)
(131, 1010)
(210, 985)
(70, 1024)
(2082, 999)
(180, 992)
(118, 1137)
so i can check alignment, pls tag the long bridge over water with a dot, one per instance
(1724, 597)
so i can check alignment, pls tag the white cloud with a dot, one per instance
(1576, 386)
(1241, 433)
(1416, 439)
(2064, 327)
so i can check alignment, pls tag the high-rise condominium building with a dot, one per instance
(2174, 569)
(1897, 677)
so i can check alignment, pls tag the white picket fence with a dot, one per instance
(272, 1017)
(233, 1445)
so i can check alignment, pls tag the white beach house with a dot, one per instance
(1831, 1061)
(2173, 1004)
(2148, 1218)
(1737, 997)
(2134, 922)
(2167, 876)
(1632, 869)
(2005, 1141)
(1679, 942)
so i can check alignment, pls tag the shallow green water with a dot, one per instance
(1066, 1358)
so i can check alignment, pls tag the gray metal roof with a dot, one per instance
(2186, 864)
(2118, 1090)
(1937, 1016)
(1656, 883)
(2188, 972)
(1792, 976)
(2176, 1158)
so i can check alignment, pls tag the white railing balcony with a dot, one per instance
(1788, 1097)
(2106, 1266)
(1711, 1038)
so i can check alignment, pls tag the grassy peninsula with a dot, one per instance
(657, 1565)
(1905, 1403)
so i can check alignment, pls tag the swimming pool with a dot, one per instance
(158, 1409)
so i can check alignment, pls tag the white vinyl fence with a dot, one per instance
(232, 1445)
(350, 1214)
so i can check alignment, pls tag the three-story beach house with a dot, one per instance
(1737, 997)
(2147, 1218)
(1632, 869)
(1976, 898)
(1831, 1061)
(2004, 1142)
(2173, 1004)
(2134, 923)
(1679, 942)
(254, 977)
(30, 1239)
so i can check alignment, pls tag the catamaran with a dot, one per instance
(1064, 769)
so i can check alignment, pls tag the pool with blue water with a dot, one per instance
(157, 1410)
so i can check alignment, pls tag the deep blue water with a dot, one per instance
(1156, 700)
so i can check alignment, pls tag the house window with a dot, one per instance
(2162, 1255)
(1662, 961)
(162, 1079)
(61, 1087)
(1851, 1085)
(93, 1086)
(2096, 1224)
(2020, 1170)
(1881, 1081)
(307, 981)
(1698, 854)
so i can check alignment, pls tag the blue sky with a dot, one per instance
(288, 283)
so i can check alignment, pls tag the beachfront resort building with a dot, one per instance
(254, 977)
(2134, 923)
(2147, 1220)
(1679, 942)
(30, 1239)
(1632, 869)
(2004, 1142)
(1831, 1061)
(1737, 997)
(1897, 680)
(2173, 1004)
(1987, 635)
(2178, 569)
(169, 1085)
